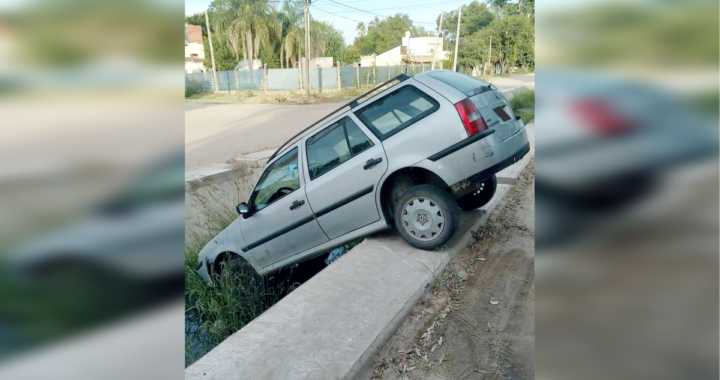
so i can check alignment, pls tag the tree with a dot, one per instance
(292, 17)
(513, 41)
(510, 27)
(361, 29)
(383, 35)
(248, 24)
(475, 16)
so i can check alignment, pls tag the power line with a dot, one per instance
(425, 5)
(333, 14)
(374, 14)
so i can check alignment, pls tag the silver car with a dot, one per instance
(406, 154)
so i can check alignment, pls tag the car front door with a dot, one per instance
(344, 166)
(281, 223)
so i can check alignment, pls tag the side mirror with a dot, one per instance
(242, 209)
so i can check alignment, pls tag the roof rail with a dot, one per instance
(352, 104)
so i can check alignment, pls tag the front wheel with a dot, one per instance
(236, 272)
(426, 216)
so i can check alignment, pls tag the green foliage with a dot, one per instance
(383, 35)
(475, 16)
(511, 30)
(523, 104)
(190, 91)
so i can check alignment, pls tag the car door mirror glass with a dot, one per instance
(242, 209)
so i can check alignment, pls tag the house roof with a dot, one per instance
(193, 33)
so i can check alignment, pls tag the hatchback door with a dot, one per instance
(281, 223)
(497, 113)
(344, 165)
(491, 103)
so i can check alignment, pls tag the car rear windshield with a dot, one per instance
(397, 111)
(461, 82)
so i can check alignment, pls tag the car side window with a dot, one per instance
(357, 139)
(334, 145)
(397, 111)
(280, 179)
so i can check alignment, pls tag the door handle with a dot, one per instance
(372, 162)
(296, 204)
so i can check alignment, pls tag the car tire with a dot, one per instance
(426, 216)
(479, 198)
(237, 270)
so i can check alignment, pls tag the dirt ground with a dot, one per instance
(478, 322)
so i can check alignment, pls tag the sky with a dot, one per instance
(422, 12)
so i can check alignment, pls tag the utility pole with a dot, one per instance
(212, 54)
(490, 52)
(457, 39)
(307, 45)
(437, 42)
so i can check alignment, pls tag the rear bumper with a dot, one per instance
(480, 159)
(517, 156)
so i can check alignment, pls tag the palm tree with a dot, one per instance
(292, 16)
(252, 23)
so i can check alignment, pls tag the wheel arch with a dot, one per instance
(415, 176)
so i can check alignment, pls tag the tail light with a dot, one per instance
(600, 117)
(470, 116)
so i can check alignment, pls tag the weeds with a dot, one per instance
(523, 104)
(214, 312)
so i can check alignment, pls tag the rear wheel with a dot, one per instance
(479, 197)
(426, 216)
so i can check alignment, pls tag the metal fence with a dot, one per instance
(289, 79)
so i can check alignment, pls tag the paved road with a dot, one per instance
(219, 133)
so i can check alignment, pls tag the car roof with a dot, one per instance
(352, 104)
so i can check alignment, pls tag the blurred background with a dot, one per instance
(91, 189)
(627, 189)
(91, 211)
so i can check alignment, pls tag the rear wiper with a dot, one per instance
(478, 90)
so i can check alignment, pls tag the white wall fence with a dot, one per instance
(289, 79)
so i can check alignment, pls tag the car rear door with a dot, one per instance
(344, 165)
(281, 223)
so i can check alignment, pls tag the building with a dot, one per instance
(194, 48)
(321, 62)
(257, 64)
(417, 50)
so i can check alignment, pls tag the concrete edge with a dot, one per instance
(365, 361)
(463, 243)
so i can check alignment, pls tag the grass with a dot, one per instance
(213, 313)
(277, 97)
(190, 91)
(523, 104)
(520, 71)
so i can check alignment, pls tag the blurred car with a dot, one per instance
(136, 235)
(124, 256)
(603, 142)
